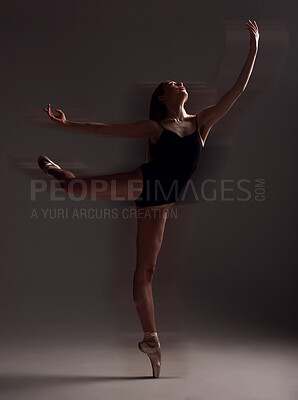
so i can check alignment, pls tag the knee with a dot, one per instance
(144, 273)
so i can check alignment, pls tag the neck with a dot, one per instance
(176, 112)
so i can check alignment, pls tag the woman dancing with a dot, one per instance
(176, 140)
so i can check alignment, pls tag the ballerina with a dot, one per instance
(176, 141)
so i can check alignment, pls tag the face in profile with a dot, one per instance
(174, 92)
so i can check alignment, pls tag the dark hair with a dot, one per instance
(158, 110)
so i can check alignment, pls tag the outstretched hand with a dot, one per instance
(254, 34)
(60, 118)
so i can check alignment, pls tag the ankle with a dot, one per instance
(151, 337)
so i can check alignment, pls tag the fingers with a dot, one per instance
(48, 111)
(59, 117)
(252, 26)
(255, 24)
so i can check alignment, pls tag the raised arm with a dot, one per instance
(210, 115)
(140, 129)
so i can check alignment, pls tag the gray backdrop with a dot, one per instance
(223, 263)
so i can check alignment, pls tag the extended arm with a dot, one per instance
(129, 130)
(210, 115)
(140, 129)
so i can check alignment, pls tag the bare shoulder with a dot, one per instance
(204, 115)
(154, 130)
(148, 129)
(204, 125)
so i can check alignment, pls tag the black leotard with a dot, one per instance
(175, 159)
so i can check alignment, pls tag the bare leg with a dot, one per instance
(122, 186)
(150, 231)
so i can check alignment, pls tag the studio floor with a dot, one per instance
(47, 369)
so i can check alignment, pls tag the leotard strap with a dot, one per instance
(160, 124)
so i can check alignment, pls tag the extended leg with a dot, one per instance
(122, 186)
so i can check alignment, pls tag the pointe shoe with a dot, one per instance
(45, 164)
(152, 354)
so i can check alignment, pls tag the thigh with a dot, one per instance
(124, 185)
(150, 231)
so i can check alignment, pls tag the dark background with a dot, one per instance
(224, 265)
